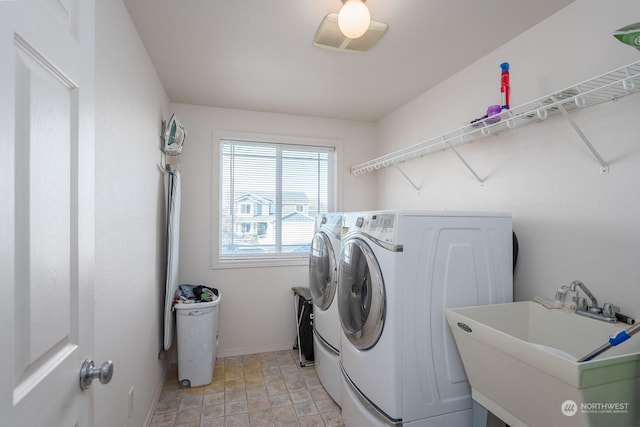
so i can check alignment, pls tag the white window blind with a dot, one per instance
(270, 195)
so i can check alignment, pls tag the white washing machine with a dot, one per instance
(398, 271)
(323, 282)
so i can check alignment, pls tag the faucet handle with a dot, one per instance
(610, 310)
(580, 303)
(561, 294)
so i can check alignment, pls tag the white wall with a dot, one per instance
(256, 310)
(572, 222)
(130, 104)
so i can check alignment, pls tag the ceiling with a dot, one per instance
(258, 54)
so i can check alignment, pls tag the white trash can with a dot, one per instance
(197, 334)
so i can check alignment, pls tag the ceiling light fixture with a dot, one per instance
(354, 18)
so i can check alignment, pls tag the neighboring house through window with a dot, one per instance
(269, 196)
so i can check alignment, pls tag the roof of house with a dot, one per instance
(297, 217)
(288, 197)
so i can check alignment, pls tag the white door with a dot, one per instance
(46, 211)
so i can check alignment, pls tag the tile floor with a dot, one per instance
(266, 389)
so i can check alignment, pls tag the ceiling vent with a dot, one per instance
(329, 36)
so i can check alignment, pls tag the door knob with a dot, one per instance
(88, 372)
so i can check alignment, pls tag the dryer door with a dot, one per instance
(322, 271)
(361, 294)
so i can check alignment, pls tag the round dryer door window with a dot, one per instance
(322, 271)
(361, 295)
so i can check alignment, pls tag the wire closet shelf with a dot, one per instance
(610, 86)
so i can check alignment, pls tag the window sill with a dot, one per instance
(259, 263)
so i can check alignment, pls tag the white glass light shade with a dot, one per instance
(354, 19)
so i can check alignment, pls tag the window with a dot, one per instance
(245, 208)
(269, 196)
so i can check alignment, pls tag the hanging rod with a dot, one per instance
(609, 86)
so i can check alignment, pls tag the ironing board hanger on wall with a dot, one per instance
(172, 139)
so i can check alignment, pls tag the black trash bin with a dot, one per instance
(304, 324)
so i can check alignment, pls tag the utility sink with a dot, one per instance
(520, 359)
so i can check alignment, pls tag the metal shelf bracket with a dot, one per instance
(408, 179)
(604, 167)
(464, 162)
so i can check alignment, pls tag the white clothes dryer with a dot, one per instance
(398, 272)
(323, 281)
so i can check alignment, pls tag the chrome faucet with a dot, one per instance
(594, 302)
(606, 313)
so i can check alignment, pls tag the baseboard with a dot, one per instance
(252, 350)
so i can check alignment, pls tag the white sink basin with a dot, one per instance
(520, 361)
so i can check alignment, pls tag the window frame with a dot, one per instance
(335, 176)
